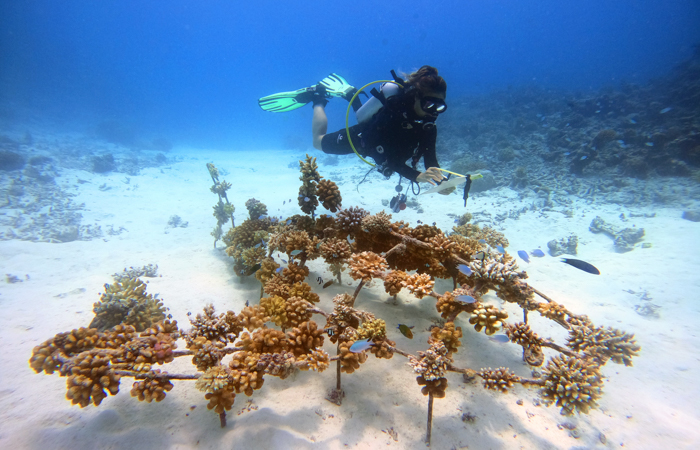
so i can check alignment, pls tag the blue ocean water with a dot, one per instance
(192, 71)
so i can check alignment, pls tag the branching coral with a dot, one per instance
(449, 336)
(491, 236)
(500, 379)
(305, 338)
(349, 220)
(329, 194)
(602, 344)
(433, 363)
(367, 265)
(152, 388)
(574, 384)
(89, 378)
(419, 284)
(393, 281)
(127, 302)
(349, 361)
(488, 317)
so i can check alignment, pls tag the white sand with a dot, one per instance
(651, 405)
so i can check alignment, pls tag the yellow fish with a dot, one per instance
(405, 330)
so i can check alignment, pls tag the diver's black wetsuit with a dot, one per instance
(393, 136)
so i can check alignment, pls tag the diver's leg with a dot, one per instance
(319, 125)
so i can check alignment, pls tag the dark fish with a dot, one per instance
(247, 302)
(320, 280)
(350, 240)
(255, 268)
(500, 338)
(360, 346)
(523, 255)
(329, 331)
(581, 265)
(405, 330)
(419, 221)
(465, 299)
(327, 283)
(480, 256)
(465, 269)
(537, 253)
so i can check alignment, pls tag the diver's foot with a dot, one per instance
(314, 94)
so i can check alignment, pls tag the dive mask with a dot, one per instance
(433, 105)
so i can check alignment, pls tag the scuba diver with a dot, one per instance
(396, 124)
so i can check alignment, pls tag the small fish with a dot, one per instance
(327, 283)
(290, 200)
(523, 255)
(633, 121)
(329, 331)
(289, 221)
(465, 269)
(320, 280)
(257, 245)
(361, 346)
(279, 269)
(500, 338)
(264, 216)
(456, 220)
(284, 260)
(434, 223)
(419, 221)
(482, 241)
(405, 330)
(465, 299)
(284, 202)
(247, 302)
(255, 268)
(583, 157)
(649, 144)
(350, 240)
(537, 253)
(500, 249)
(567, 153)
(156, 296)
(620, 141)
(306, 199)
(581, 265)
(480, 256)
(295, 252)
(665, 110)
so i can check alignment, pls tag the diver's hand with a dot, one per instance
(432, 175)
(447, 191)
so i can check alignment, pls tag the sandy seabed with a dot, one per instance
(651, 405)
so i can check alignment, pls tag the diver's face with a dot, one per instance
(418, 108)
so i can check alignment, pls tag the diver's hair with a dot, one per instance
(426, 79)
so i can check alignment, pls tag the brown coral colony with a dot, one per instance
(232, 353)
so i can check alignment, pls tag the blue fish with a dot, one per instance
(289, 221)
(500, 249)
(465, 299)
(465, 269)
(583, 157)
(537, 253)
(262, 217)
(649, 144)
(279, 269)
(284, 260)
(306, 199)
(295, 252)
(523, 255)
(361, 346)
(284, 201)
(482, 241)
(350, 240)
(567, 153)
(500, 338)
(665, 110)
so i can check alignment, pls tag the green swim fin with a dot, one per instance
(338, 86)
(287, 101)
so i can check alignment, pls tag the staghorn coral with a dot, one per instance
(304, 338)
(152, 388)
(602, 344)
(393, 281)
(574, 384)
(488, 317)
(329, 194)
(367, 265)
(127, 302)
(500, 379)
(419, 284)
(436, 387)
(88, 379)
(349, 361)
(433, 363)
(448, 335)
